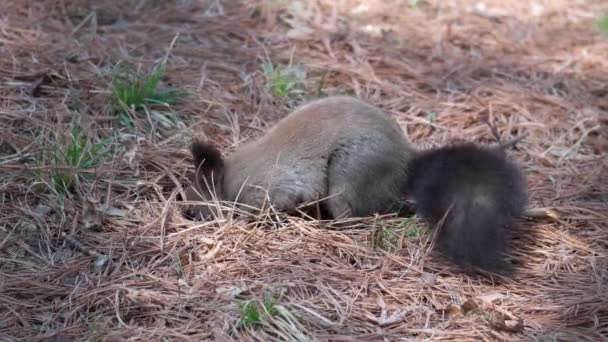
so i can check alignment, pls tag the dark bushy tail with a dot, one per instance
(476, 193)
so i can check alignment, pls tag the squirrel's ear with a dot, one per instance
(207, 158)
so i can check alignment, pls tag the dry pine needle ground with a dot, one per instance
(111, 258)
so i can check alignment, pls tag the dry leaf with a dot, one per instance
(428, 278)
(231, 291)
(113, 211)
(130, 142)
(42, 210)
(487, 301)
(450, 311)
(145, 296)
(208, 242)
(469, 306)
(499, 322)
(90, 217)
(300, 33)
(182, 283)
(386, 317)
(539, 213)
(390, 37)
(100, 263)
(212, 252)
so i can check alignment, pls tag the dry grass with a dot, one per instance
(442, 68)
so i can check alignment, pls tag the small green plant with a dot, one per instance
(415, 3)
(178, 266)
(253, 311)
(386, 237)
(95, 329)
(284, 81)
(409, 227)
(71, 153)
(413, 232)
(602, 22)
(321, 84)
(133, 90)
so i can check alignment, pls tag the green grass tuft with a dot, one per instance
(71, 153)
(602, 22)
(132, 90)
(415, 3)
(178, 266)
(413, 232)
(252, 312)
(387, 237)
(94, 328)
(284, 81)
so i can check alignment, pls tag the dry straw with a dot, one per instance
(442, 68)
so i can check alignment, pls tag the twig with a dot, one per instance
(512, 142)
(101, 259)
(541, 213)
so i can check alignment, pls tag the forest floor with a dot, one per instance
(98, 103)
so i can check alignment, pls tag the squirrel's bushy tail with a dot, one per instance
(472, 194)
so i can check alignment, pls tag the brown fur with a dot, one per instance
(338, 148)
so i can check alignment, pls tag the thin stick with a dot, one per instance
(101, 259)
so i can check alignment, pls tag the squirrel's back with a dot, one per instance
(340, 149)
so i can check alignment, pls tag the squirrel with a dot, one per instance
(354, 161)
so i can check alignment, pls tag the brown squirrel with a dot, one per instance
(355, 158)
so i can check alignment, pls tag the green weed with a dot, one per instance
(321, 84)
(413, 232)
(252, 312)
(178, 266)
(95, 329)
(284, 81)
(71, 153)
(386, 237)
(134, 91)
(602, 22)
(415, 3)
